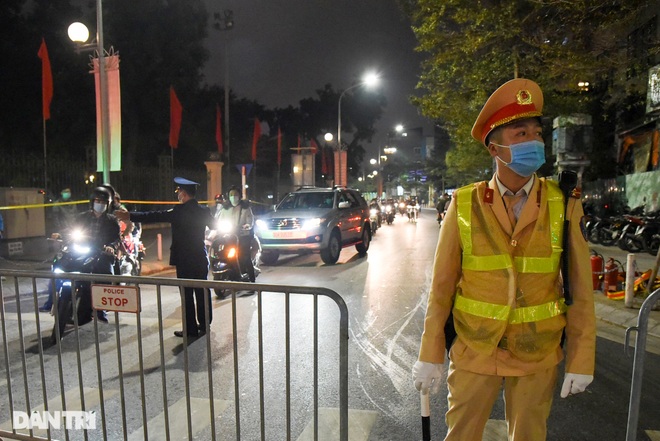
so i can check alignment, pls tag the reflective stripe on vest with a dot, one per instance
(525, 314)
(503, 261)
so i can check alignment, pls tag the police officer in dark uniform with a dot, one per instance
(188, 253)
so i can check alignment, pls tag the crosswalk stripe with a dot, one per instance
(359, 425)
(654, 435)
(200, 412)
(495, 430)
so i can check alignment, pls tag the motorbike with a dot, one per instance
(75, 256)
(224, 256)
(413, 212)
(638, 234)
(374, 215)
(389, 214)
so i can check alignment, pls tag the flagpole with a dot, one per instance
(43, 120)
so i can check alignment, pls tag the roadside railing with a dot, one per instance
(638, 364)
(261, 368)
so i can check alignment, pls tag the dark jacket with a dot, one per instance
(189, 222)
(101, 231)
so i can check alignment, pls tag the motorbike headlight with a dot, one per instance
(224, 226)
(77, 235)
(58, 270)
(81, 249)
(308, 224)
(373, 212)
(261, 224)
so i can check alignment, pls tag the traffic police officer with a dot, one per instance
(496, 271)
(187, 253)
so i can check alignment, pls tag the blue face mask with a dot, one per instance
(526, 157)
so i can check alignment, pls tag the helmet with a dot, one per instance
(102, 194)
(219, 198)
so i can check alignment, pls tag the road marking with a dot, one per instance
(495, 430)
(199, 419)
(654, 435)
(360, 423)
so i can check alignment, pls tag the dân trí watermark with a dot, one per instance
(56, 419)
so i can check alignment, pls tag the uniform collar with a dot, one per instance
(526, 188)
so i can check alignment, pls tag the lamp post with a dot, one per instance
(225, 23)
(341, 169)
(79, 34)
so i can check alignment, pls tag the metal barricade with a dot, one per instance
(638, 364)
(134, 383)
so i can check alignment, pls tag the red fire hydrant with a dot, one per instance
(611, 276)
(596, 270)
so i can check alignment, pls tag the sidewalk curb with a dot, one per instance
(616, 313)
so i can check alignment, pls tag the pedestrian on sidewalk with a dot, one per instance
(189, 220)
(497, 273)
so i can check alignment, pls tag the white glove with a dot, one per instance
(575, 383)
(426, 375)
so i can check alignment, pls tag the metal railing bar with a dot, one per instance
(316, 367)
(638, 363)
(99, 375)
(237, 396)
(78, 351)
(287, 346)
(260, 340)
(58, 344)
(22, 346)
(35, 300)
(143, 393)
(120, 374)
(166, 413)
(186, 377)
(209, 360)
(5, 348)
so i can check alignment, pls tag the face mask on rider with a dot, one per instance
(233, 199)
(99, 208)
(526, 157)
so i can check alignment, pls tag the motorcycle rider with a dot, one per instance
(375, 205)
(219, 202)
(102, 230)
(239, 213)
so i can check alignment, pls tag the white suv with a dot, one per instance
(315, 220)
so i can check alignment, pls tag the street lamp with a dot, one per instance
(225, 23)
(79, 34)
(370, 79)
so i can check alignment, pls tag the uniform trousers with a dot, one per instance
(527, 401)
(194, 303)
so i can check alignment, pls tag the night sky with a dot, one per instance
(282, 51)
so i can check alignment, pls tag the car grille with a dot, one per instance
(283, 223)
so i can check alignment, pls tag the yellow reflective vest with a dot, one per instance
(507, 299)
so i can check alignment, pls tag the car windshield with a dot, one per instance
(307, 200)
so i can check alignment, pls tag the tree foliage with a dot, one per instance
(473, 47)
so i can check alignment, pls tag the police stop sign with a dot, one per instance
(116, 298)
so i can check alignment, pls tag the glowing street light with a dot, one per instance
(369, 80)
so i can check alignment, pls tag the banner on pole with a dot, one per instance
(114, 113)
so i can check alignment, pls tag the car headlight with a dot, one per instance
(308, 224)
(261, 224)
